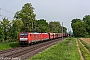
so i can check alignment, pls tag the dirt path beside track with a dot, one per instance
(82, 58)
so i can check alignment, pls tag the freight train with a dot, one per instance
(27, 38)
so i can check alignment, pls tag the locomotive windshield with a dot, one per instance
(23, 34)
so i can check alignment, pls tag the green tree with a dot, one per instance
(1, 33)
(6, 24)
(42, 26)
(16, 28)
(55, 27)
(26, 14)
(64, 30)
(86, 19)
(74, 21)
(73, 25)
(79, 28)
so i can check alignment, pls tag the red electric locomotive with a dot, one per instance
(27, 38)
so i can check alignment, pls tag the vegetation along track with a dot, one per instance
(23, 53)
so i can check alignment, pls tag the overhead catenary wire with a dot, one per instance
(6, 11)
(3, 16)
(6, 16)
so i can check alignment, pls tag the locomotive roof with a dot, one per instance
(32, 33)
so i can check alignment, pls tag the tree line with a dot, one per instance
(81, 27)
(25, 21)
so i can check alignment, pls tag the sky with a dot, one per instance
(50, 10)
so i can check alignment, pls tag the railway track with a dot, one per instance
(23, 53)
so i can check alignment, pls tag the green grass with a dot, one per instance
(86, 44)
(85, 54)
(65, 50)
(5, 46)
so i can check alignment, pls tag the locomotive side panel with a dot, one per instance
(45, 36)
(35, 37)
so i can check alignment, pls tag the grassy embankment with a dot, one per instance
(84, 52)
(65, 50)
(5, 46)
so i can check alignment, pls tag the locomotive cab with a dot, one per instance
(23, 38)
